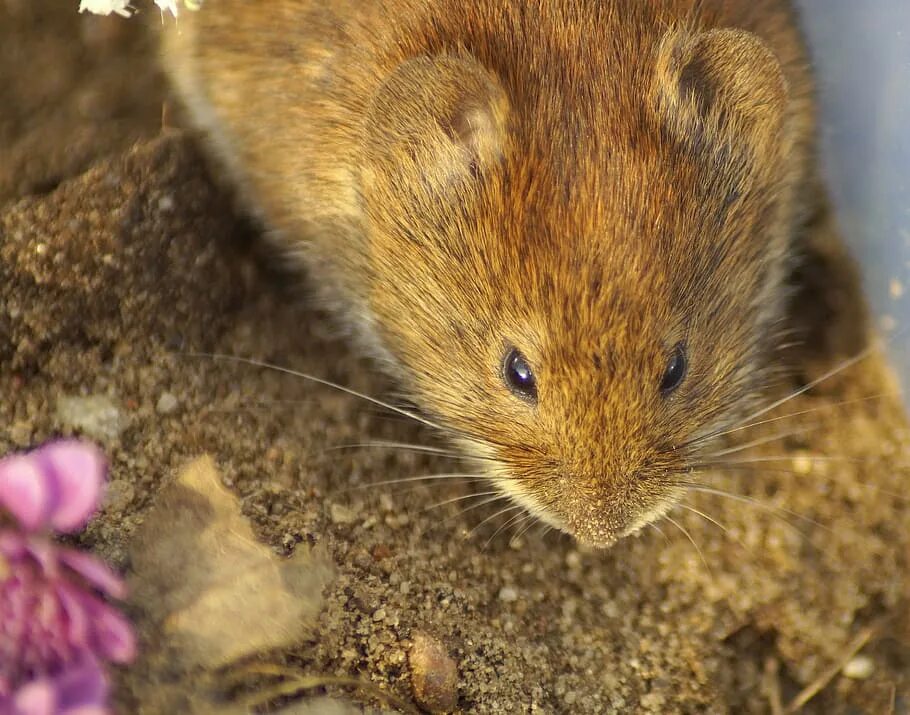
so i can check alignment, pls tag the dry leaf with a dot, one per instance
(216, 591)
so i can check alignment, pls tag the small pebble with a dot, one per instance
(94, 415)
(434, 674)
(381, 552)
(166, 404)
(859, 667)
(507, 594)
(340, 514)
(20, 433)
(802, 464)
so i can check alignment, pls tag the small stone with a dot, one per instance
(507, 594)
(166, 404)
(802, 463)
(20, 433)
(381, 552)
(434, 674)
(653, 702)
(859, 667)
(379, 614)
(340, 514)
(573, 559)
(94, 415)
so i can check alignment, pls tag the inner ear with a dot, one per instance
(435, 123)
(727, 82)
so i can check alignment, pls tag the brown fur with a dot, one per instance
(590, 181)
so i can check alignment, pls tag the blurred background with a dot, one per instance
(862, 53)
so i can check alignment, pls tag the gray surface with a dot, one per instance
(862, 52)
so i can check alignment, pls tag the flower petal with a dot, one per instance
(38, 697)
(77, 612)
(115, 639)
(77, 470)
(24, 491)
(93, 570)
(13, 545)
(82, 689)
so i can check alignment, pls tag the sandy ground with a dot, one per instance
(119, 258)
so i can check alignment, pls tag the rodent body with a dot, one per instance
(610, 191)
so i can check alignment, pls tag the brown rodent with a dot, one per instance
(565, 226)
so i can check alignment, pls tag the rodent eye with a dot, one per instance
(676, 370)
(518, 376)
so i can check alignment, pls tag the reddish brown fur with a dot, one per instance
(591, 182)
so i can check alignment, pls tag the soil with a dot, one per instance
(121, 261)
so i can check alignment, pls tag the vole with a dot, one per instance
(565, 226)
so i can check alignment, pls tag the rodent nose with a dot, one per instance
(595, 523)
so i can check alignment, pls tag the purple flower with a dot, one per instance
(55, 628)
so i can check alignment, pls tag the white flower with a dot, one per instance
(168, 6)
(172, 6)
(122, 7)
(106, 7)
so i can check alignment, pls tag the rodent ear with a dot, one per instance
(721, 81)
(435, 123)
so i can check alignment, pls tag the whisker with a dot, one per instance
(506, 510)
(490, 500)
(530, 523)
(757, 504)
(405, 480)
(520, 516)
(458, 499)
(404, 446)
(845, 365)
(722, 527)
(762, 441)
(327, 383)
(808, 411)
(658, 530)
(545, 529)
(704, 516)
(829, 458)
(822, 477)
(689, 537)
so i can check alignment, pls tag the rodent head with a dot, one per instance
(579, 284)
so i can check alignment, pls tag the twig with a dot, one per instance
(827, 675)
(295, 682)
(772, 686)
